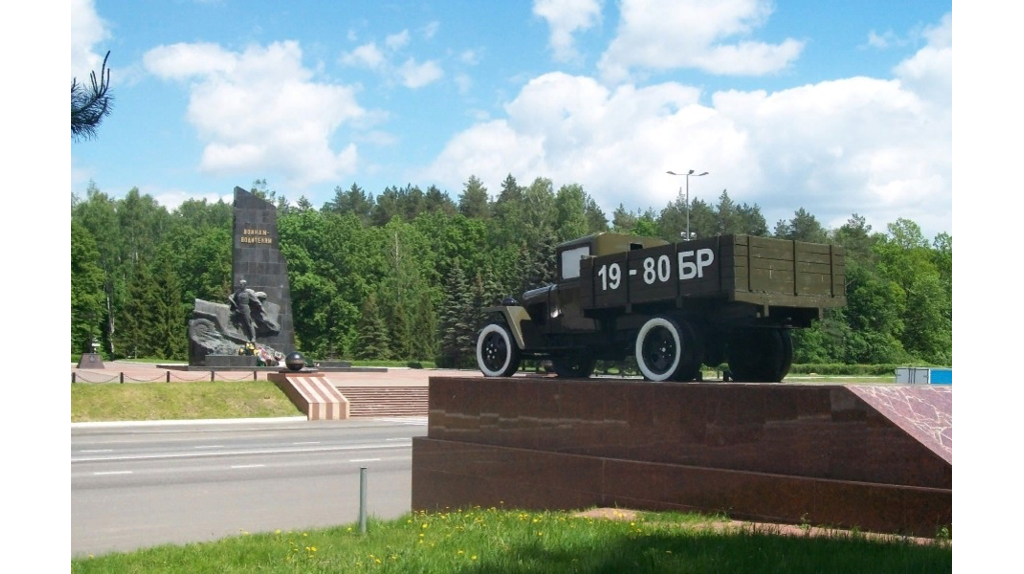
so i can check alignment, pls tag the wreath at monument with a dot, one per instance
(265, 356)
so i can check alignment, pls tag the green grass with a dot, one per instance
(522, 542)
(178, 401)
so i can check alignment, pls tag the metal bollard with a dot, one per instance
(122, 378)
(211, 376)
(362, 500)
(168, 376)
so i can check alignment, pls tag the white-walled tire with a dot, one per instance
(496, 352)
(665, 349)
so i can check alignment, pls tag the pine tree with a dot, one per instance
(138, 330)
(372, 340)
(86, 288)
(456, 325)
(473, 202)
(170, 332)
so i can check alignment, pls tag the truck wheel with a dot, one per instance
(760, 355)
(666, 350)
(787, 352)
(575, 366)
(496, 353)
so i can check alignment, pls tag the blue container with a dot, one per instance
(941, 377)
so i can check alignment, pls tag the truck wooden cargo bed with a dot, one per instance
(735, 268)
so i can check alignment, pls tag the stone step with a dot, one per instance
(386, 401)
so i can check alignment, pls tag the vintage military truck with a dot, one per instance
(674, 306)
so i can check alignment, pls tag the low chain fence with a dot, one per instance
(167, 377)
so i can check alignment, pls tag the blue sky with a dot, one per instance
(837, 108)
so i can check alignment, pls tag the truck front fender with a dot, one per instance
(514, 316)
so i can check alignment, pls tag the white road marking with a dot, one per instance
(364, 460)
(112, 472)
(248, 465)
(210, 446)
(239, 452)
(413, 421)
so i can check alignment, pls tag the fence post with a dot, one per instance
(362, 500)
(122, 377)
(73, 378)
(211, 376)
(254, 377)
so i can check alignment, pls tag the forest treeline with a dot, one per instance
(402, 275)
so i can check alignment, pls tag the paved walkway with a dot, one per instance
(114, 371)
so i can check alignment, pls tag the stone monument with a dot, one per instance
(91, 359)
(255, 324)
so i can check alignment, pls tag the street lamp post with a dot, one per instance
(687, 174)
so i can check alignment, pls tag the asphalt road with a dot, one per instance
(141, 485)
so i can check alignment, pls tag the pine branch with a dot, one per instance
(89, 105)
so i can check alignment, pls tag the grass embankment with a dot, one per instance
(179, 401)
(511, 541)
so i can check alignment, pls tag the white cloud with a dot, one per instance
(930, 71)
(173, 198)
(470, 57)
(876, 41)
(887, 39)
(365, 56)
(260, 110)
(692, 34)
(430, 30)
(410, 73)
(181, 61)
(397, 41)
(881, 148)
(415, 75)
(87, 30)
(464, 82)
(566, 17)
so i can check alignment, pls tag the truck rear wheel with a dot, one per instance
(574, 366)
(666, 349)
(760, 355)
(496, 352)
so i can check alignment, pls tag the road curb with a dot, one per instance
(114, 424)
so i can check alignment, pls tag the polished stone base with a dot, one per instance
(874, 457)
(228, 362)
(90, 361)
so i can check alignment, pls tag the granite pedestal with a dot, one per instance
(874, 457)
(90, 361)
